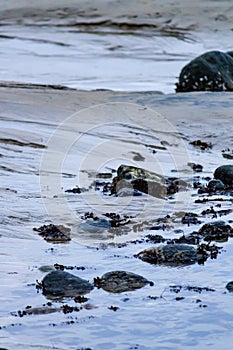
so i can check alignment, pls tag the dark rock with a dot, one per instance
(120, 281)
(201, 144)
(170, 254)
(190, 218)
(74, 190)
(212, 71)
(142, 180)
(225, 174)
(63, 284)
(217, 231)
(196, 167)
(53, 233)
(155, 238)
(216, 185)
(229, 286)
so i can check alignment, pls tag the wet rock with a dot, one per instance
(216, 185)
(170, 254)
(63, 284)
(74, 190)
(229, 286)
(190, 218)
(155, 238)
(120, 281)
(217, 231)
(53, 233)
(227, 153)
(95, 226)
(141, 180)
(196, 167)
(201, 144)
(225, 174)
(212, 71)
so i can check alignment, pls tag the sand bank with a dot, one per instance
(199, 15)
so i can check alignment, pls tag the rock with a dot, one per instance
(120, 281)
(141, 180)
(212, 71)
(128, 192)
(217, 231)
(95, 226)
(63, 284)
(225, 174)
(216, 185)
(170, 254)
(53, 233)
(229, 286)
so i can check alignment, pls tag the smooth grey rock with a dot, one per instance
(225, 174)
(63, 284)
(216, 185)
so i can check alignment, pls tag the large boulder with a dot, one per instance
(212, 71)
(225, 174)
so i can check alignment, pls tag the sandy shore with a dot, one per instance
(199, 15)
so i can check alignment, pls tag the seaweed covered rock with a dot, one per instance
(59, 283)
(225, 174)
(217, 231)
(170, 254)
(120, 281)
(54, 234)
(212, 71)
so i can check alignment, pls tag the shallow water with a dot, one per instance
(32, 194)
(101, 58)
(52, 140)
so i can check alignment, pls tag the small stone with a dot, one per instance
(95, 226)
(225, 174)
(63, 284)
(217, 185)
(54, 234)
(120, 281)
(229, 286)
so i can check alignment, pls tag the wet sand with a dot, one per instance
(201, 15)
(54, 138)
(109, 128)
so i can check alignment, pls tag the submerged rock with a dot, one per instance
(95, 226)
(170, 254)
(225, 174)
(64, 284)
(120, 281)
(229, 286)
(212, 71)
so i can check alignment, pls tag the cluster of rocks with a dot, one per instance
(186, 250)
(60, 284)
